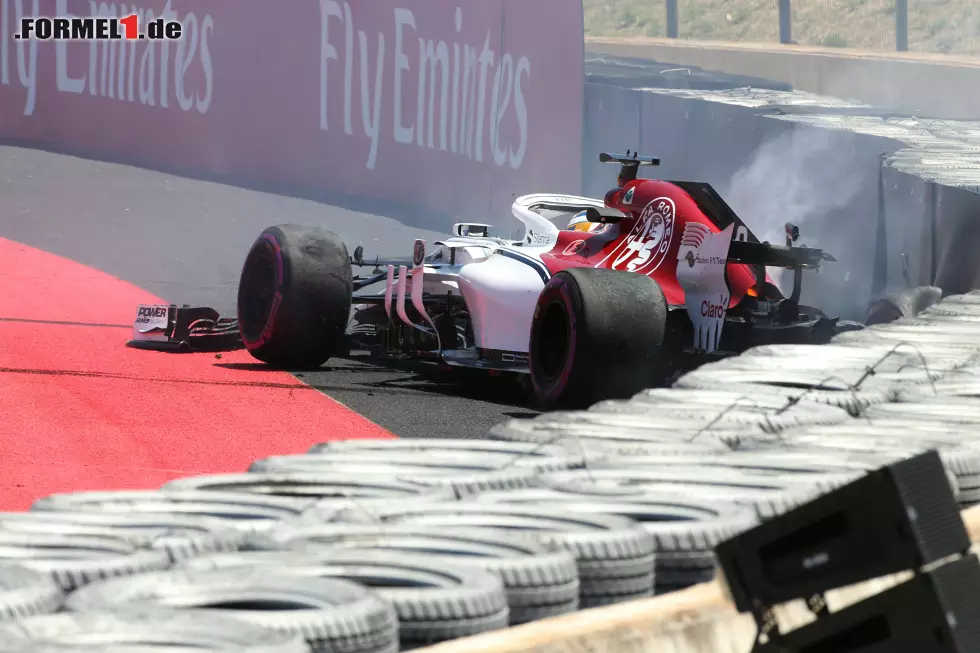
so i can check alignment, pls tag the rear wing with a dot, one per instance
(716, 208)
(702, 259)
(777, 256)
(629, 164)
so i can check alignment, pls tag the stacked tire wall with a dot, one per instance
(388, 545)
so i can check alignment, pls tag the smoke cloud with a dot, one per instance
(802, 176)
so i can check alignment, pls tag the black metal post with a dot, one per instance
(933, 231)
(785, 21)
(902, 25)
(879, 278)
(672, 30)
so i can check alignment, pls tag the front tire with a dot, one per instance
(294, 297)
(597, 334)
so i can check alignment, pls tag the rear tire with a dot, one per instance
(294, 297)
(597, 334)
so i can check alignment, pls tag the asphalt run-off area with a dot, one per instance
(83, 243)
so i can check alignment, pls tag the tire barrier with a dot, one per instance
(537, 581)
(180, 629)
(884, 78)
(905, 188)
(375, 546)
(630, 72)
(330, 614)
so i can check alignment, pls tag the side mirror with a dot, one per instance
(471, 230)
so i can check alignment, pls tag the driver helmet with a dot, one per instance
(578, 222)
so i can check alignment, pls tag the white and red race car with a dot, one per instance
(658, 277)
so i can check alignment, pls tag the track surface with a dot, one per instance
(184, 240)
(82, 411)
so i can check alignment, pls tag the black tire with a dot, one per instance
(768, 495)
(181, 536)
(540, 457)
(332, 615)
(904, 303)
(236, 507)
(317, 486)
(832, 392)
(771, 461)
(962, 463)
(591, 439)
(611, 552)
(685, 529)
(465, 475)
(950, 411)
(434, 600)
(76, 560)
(533, 576)
(26, 593)
(294, 297)
(679, 419)
(597, 334)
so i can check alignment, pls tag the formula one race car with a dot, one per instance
(657, 278)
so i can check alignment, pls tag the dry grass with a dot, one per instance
(943, 26)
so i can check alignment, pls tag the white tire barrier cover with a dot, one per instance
(434, 600)
(138, 629)
(331, 614)
(75, 560)
(534, 577)
(615, 555)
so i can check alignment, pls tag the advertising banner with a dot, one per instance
(451, 106)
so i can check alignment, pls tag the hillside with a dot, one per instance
(941, 26)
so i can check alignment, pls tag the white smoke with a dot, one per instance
(800, 177)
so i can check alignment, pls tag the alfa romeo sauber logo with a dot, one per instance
(646, 246)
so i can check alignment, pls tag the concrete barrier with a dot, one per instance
(894, 199)
(696, 620)
(646, 73)
(439, 105)
(938, 86)
(770, 171)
